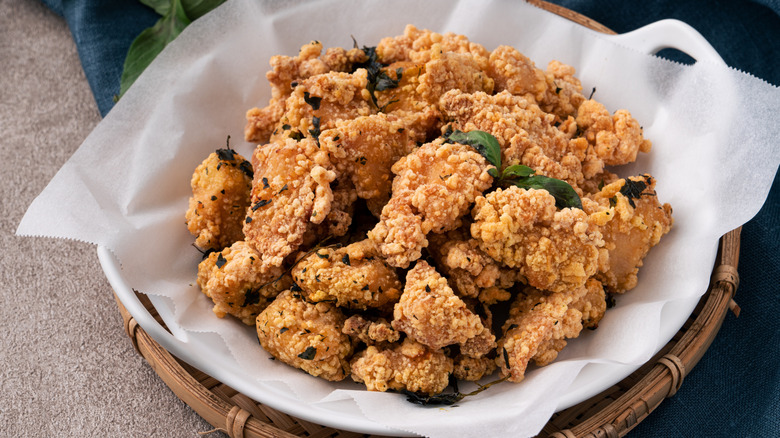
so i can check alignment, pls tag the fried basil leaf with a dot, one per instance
(483, 142)
(564, 194)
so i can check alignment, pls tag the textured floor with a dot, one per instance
(66, 366)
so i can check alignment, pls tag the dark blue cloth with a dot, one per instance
(735, 389)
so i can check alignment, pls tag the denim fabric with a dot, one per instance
(735, 389)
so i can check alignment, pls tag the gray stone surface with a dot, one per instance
(66, 366)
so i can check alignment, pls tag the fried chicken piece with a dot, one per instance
(354, 277)
(306, 336)
(537, 326)
(434, 186)
(430, 312)
(616, 139)
(556, 91)
(527, 135)
(638, 221)
(285, 71)
(320, 101)
(239, 283)
(473, 369)
(409, 366)
(554, 250)
(469, 270)
(377, 332)
(220, 196)
(290, 191)
(415, 45)
(364, 149)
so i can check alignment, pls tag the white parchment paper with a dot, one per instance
(126, 188)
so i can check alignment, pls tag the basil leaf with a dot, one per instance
(633, 189)
(517, 171)
(309, 353)
(150, 43)
(198, 8)
(564, 194)
(483, 142)
(160, 6)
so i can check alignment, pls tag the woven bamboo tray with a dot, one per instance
(613, 413)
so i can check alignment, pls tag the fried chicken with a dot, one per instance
(317, 103)
(556, 91)
(615, 139)
(527, 135)
(290, 191)
(415, 45)
(554, 250)
(473, 369)
(537, 326)
(434, 186)
(409, 366)
(354, 277)
(364, 149)
(220, 196)
(285, 71)
(638, 221)
(239, 283)
(305, 335)
(378, 332)
(430, 312)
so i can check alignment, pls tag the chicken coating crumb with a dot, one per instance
(638, 222)
(354, 277)
(291, 190)
(410, 366)
(220, 195)
(434, 186)
(430, 312)
(554, 250)
(472, 369)
(377, 332)
(306, 336)
(239, 283)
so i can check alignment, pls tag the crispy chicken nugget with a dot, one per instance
(638, 221)
(434, 186)
(415, 45)
(554, 250)
(537, 325)
(354, 277)
(290, 192)
(409, 366)
(220, 196)
(616, 139)
(364, 150)
(305, 335)
(239, 283)
(430, 312)
(287, 70)
(377, 332)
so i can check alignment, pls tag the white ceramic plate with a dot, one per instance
(205, 352)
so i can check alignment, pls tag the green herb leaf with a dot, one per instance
(175, 16)
(151, 42)
(517, 171)
(633, 189)
(220, 261)
(309, 353)
(564, 194)
(483, 142)
(252, 296)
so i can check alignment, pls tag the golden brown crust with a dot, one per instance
(239, 283)
(306, 336)
(220, 196)
(409, 366)
(354, 277)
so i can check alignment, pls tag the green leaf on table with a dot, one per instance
(198, 8)
(150, 43)
(160, 6)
